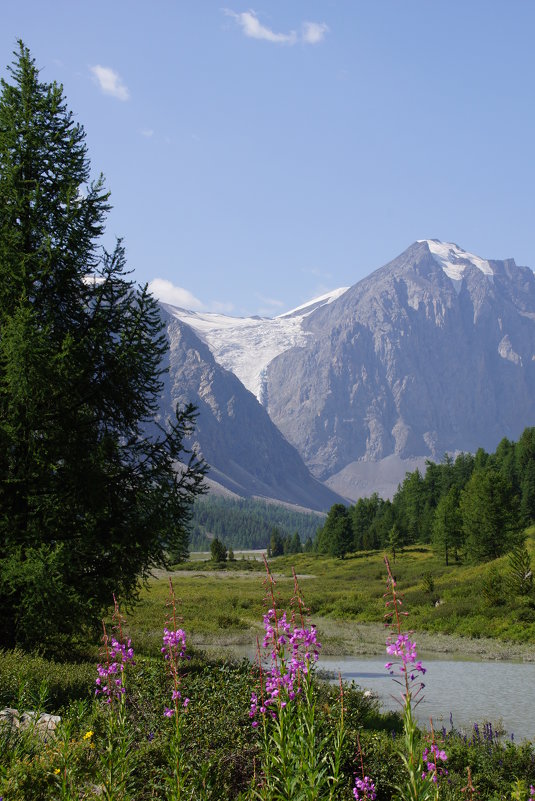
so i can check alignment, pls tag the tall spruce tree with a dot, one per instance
(92, 490)
(489, 514)
(447, 525)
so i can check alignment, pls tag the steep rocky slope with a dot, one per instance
(433, 352)
(247, 453)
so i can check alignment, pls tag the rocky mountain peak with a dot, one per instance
(432, 353)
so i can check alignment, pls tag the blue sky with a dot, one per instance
(261, 153)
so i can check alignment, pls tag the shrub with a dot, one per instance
(25, 674)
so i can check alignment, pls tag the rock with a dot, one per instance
(44, 725)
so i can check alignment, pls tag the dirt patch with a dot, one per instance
(347, 638)
(223, 574)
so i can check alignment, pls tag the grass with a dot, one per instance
(221, 751)
(225, 605)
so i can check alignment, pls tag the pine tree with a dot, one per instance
(90, 497)
(335, 537)
(527, 498)
(395, 543)
(409, 502)
(520, 575)
(295, 543)
(525, 459)
(218, 551)
(447, 525)
(489, 512)
(276, 543)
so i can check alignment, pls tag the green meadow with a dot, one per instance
(223, 604)
(220, 753)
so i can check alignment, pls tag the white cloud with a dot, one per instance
(110, 82)
(252, 27)
(314, 32)
(174, 295)
(147, 132)
(311, 32)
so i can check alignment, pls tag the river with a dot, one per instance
(471, 691)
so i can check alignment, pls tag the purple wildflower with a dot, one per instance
(110, 679)
(174, 643)
(292, 651)
(364, 789)
(174, 649)
(431, 757)
(292, 654)
(406, 662)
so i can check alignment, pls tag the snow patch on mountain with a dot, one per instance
(454, 260)
(246, 345)
(311, 305)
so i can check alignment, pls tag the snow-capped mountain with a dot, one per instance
(432, 353)
(247, 454)
(454, 260)
(247, 345)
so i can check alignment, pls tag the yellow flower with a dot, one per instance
(56, 771)
(88, 735)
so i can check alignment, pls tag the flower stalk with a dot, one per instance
(294, 761)
(421, 768)
(174, 652)
(116, 758)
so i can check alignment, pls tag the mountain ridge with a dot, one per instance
(433, 352)
(403, 358)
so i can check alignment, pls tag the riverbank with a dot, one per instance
(368, 639)
(348, 638)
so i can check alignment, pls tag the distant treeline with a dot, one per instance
(247, 524)
(473, 506)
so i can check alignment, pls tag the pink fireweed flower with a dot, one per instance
(406, 663)
(174, 649)
(364, 789)
(292, 651)
(431, 756)
(110, 680)
(174, 643)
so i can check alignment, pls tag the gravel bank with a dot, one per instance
(347, 637)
